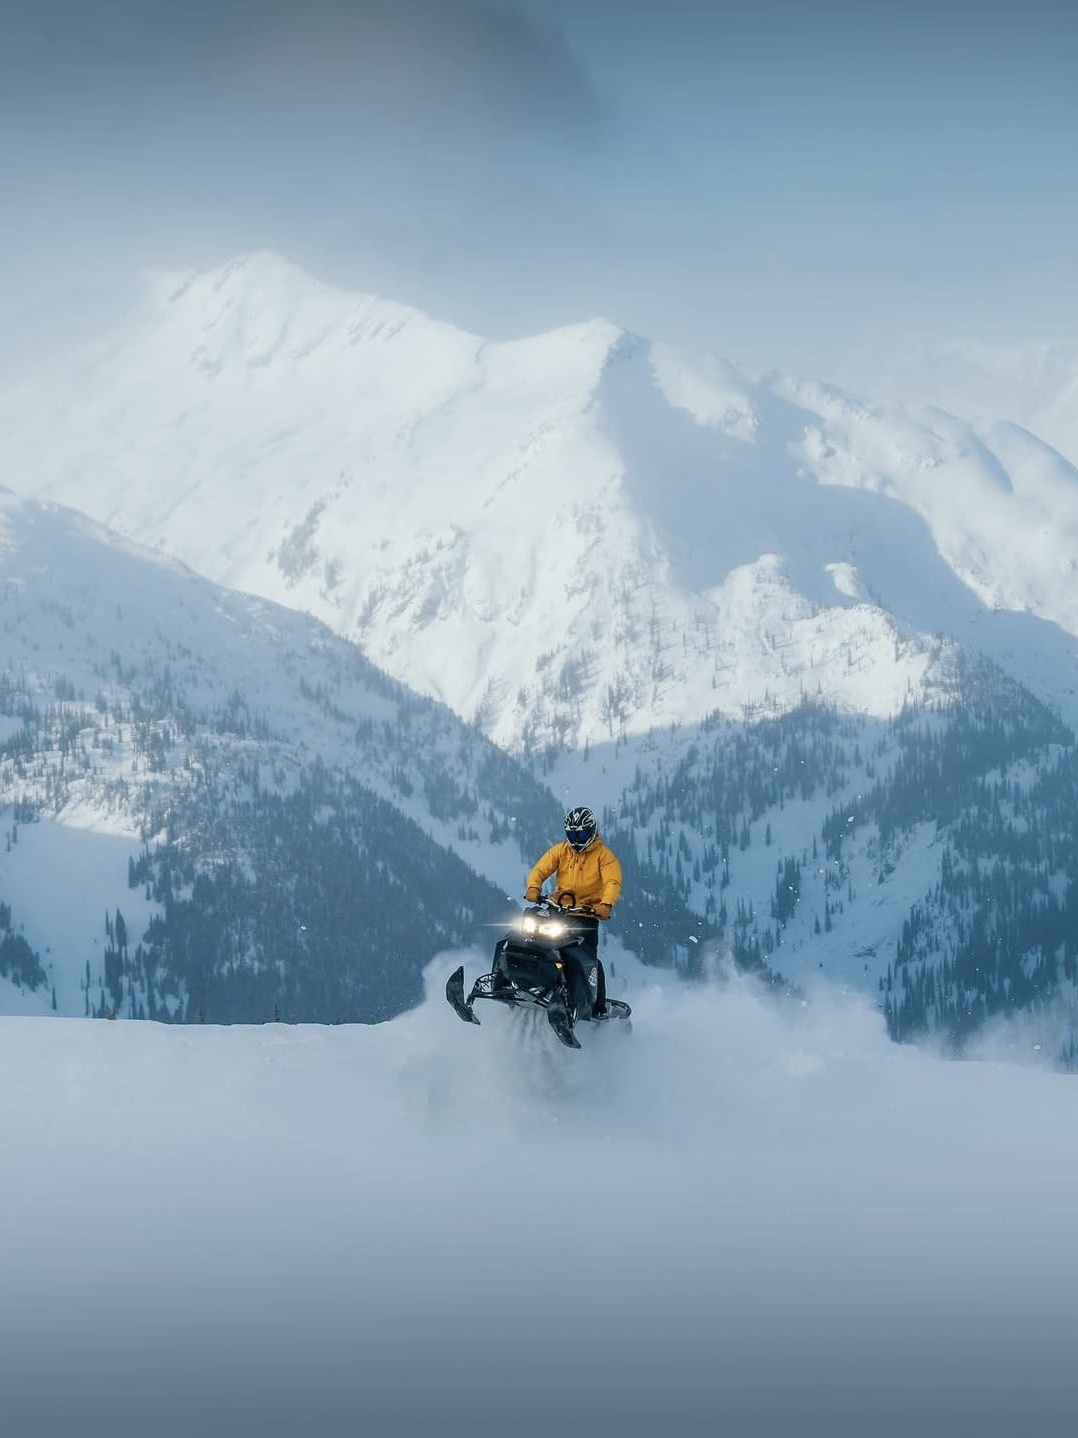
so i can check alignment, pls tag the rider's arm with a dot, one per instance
(546, 866)
(610, 872)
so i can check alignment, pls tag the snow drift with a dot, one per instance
(749, 1215)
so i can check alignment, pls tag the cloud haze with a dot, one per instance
(423, 62)
(790, 183)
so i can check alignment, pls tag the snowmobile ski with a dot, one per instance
(560, 1020)
(454, 992)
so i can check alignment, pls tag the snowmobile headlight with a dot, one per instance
(528, 924)
(554, 929)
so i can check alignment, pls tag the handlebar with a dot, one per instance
(551, 901)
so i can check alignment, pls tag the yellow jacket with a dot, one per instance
(592, 876)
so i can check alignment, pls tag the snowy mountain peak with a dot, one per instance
(262, 279)
(569, 538)
(261, 312)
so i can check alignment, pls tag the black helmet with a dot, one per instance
(580, 828)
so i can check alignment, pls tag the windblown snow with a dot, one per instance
(743, 1217)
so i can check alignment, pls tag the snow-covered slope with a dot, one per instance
(1034, 385)
(568, 538)
(744, 1219)
(928, 860)
(145, 711)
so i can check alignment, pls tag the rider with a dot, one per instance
(587, 875)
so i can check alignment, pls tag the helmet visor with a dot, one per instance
(580, 838)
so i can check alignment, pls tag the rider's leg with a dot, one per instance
(586, 949)
(600, 990)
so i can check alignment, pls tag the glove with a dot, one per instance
(602, 911)
(531, 895)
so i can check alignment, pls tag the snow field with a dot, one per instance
(757, 1216)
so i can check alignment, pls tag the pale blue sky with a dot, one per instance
(801, 184)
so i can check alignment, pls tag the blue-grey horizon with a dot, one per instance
(793, 184)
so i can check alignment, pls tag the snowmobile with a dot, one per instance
(534, 966)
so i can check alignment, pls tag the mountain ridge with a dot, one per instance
(449, 503)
